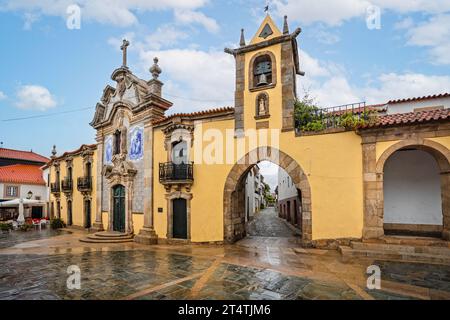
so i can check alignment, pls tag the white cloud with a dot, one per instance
(116, 12)
(199, 79)
(330, 86)
(404, 24)
(435, 34)
(332, 12)
(35, 97)
(165, 36)
(393, 86)
(2, 95)
(190, 17)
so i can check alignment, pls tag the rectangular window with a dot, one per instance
(11, 191)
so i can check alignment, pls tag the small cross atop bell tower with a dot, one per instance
(124, 46)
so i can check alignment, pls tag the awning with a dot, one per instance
(25, 202)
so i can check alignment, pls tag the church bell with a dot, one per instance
(262, 80)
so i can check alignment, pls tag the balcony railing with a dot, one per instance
(353, 115)
(174, 173)
(67, 185)
(55, 187)
(84, 184)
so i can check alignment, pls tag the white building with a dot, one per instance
(417, 104)
(254, 193)
(288, 199)
(21, 177)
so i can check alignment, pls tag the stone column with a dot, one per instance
(373, 193)
(147, 234)
(98, 224)
(288, 81)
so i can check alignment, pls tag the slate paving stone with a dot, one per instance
(430, 276)
(116, 274)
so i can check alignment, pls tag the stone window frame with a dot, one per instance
(170, 197)
(262, 116)
(251, 85)
(8, 186)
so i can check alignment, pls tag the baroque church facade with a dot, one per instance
(152, 183)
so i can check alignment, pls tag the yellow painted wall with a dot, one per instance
(445, 141)
(333, 164)
(381, 147)
(77, 197)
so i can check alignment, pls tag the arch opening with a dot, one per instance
(413, 188)
(295, 209)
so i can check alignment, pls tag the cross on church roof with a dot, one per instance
(124, 46)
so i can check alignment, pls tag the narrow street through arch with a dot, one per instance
(268, 224)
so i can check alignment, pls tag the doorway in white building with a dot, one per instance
(412, 194)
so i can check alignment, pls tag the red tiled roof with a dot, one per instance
(411, 118)
(436, 96)
(22, 155)
(195, 114)
(21, 174)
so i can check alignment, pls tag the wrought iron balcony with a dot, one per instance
(84, 184)
(171, 173)
(67, 185)
(55, 187)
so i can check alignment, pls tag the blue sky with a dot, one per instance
(47, 68)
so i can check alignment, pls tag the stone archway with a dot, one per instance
(234, 219)
(374, 214)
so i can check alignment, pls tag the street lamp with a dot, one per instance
(29, 195)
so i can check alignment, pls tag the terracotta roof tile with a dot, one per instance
(21, 174)
(195, 114)
(411, 118)
(436, 96)
(22, 155)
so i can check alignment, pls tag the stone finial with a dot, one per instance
(285, 26)
(155, 70)
(54, 151)
(242, 41)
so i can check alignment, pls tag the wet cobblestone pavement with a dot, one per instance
(12, 238)
(268, 224)
(264, 268)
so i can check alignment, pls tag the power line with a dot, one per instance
(197, 99)
(47, 115)
(90, 108)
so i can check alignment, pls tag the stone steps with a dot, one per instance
(108, 237)
(404, 249)
(429, 251)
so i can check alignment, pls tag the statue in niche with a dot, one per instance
(121, 86)
(262, 105)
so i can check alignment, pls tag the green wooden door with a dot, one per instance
(119, 208)
(179, 219)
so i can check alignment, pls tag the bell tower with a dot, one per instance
(266, 70)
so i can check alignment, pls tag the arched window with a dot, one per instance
(262, 71)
